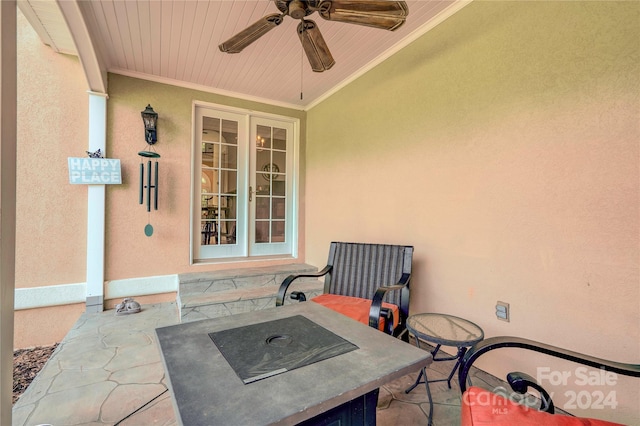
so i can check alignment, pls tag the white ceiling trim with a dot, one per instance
(94, 68)
(202, 88)
(438, 19)
(34, 20)
(45, 18)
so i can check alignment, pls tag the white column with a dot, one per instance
(8, 119)
(96, 207)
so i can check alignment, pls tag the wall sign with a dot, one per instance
(94, 171)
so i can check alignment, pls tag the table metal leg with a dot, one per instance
(423, 373)
(458, 357)
(438, 330)
(426, 385)
(413, 386)
(426, 382)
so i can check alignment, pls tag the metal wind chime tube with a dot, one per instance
(141, 180)
(155, 193)
(149, 186)
(150, 118)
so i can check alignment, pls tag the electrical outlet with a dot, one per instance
(502, 311)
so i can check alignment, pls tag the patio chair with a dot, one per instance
(480, 406)
(367, 282)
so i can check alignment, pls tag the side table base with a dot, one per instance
(426, 381)
(442, 330)
(458, 357)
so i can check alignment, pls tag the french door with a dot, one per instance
(243, 198)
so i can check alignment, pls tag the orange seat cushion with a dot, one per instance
(481, 407)
(356, 308)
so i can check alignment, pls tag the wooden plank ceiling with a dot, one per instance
(177, 42)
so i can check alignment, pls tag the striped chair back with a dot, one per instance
(358, 269)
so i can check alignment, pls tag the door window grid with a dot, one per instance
(219, 181)
(270, 217)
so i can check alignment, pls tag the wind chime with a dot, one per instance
(149, 179)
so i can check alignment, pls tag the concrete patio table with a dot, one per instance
(207, 390)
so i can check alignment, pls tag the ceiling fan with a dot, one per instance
(387, 15)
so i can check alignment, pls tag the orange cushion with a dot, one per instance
(481, 407)
(356, 308)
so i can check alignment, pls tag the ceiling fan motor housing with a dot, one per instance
(297, 9)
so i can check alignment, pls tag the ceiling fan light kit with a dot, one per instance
(386, 15)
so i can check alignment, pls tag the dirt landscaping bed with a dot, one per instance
(26, 365)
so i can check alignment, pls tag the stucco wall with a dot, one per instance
(52, 125)
(129, 253)
(503, 145)
(51, 214)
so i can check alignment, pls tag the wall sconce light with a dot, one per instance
(149, 180)
(150, 119)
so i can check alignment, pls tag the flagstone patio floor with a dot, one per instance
(108, 371)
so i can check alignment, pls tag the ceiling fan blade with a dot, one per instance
(250, 34)
(314, 46)
(387, 15)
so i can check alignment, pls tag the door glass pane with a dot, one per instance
(280, 139)
(262, 207)
(229, 157)
(278, 208)
(277, 231)
(208, 154)
(270, 178)
(229, 232)
(219, 181)
(228, 179)
(278, 188)
(263, 138)
(262, 231)
(230, 132)
(280, 160)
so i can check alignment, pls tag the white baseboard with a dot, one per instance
(67, 294)
(52, 295)
(144, 286)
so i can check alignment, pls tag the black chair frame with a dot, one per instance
(401, 285)
(520, 382)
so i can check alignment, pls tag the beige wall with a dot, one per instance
(52, 125)
(129, 253)
(44, 326)
(503, 145)
(51, 214)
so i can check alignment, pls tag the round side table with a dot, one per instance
(443, 330)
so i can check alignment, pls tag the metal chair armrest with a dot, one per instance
(376, 304)
(520, 380)
(388, 320)
(298, 295)
(287, 281)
